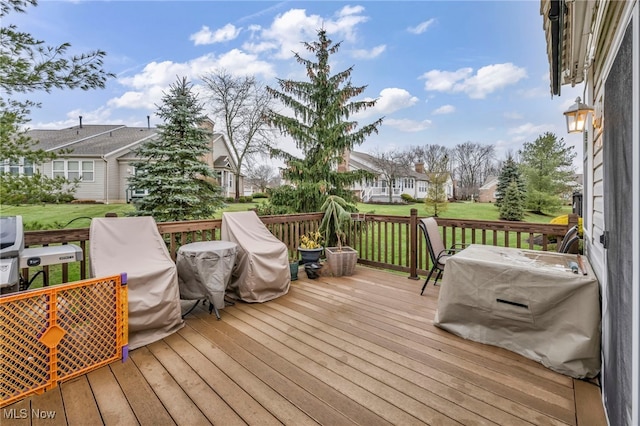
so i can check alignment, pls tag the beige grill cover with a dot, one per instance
(526, 301)
(262, 263)
(134, 245)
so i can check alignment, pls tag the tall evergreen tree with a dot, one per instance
(28, 65)
(511, 207)
(179, 182)
(510, 172)
(320, 124)
(547, 165)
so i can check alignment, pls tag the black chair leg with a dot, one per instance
(427, 280)
(437, 276)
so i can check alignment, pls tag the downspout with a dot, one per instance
(556, 17)
(106, 180)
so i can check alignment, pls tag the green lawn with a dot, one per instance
(78, 215)
(460, 210)
(52, 216)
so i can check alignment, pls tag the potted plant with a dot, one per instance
(310, 247)
(293, 268)
(334, 226)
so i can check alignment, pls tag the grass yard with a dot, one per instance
(460, 210)
(51, 216)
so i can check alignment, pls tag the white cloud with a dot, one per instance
(406, 125)
(421, 27)
(445, 81)
(528, 129)
(146, 87)
(369, 54)
(390, 100)
(290, 28)
(206, 36)
(485, 81)
(444, 109)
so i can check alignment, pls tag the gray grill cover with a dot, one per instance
(529, 302)
(262, 263)
(204, 270)
(133, 245)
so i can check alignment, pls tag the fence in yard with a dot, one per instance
(390, 242)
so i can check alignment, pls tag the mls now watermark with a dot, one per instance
(24, 413)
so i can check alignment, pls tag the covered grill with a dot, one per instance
(14, 256)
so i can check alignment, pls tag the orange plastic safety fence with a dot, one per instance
(57, 333)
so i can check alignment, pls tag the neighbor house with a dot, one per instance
(487, 192)
(597, 43)
(414, 183)
(102, 157)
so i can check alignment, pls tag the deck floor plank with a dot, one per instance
(588, 402)
(79, 403)
(50, 401)
(238, 399)
(264, 368)
(451, 383)
(333, 351)
(148, 409)
(392, 402)
(440, 394)
(179, 405)
(112, 402)
(272, 401)
(512, 386)
(311, 384)
(366, 363)
(202, 395)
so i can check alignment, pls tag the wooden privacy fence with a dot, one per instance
(389, 242)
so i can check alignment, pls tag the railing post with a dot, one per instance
(413, 235)
(573, 220)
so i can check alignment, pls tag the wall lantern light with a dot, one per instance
(577, 116)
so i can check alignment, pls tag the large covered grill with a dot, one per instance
(13, 255)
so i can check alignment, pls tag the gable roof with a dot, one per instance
(92, 140)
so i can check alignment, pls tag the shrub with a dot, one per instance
(229, 200)
(259, 195)
(407, 198)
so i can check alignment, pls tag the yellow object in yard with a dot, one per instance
(564, 220)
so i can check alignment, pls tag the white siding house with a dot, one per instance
(101, 157)
(414, 183)
(597, 43)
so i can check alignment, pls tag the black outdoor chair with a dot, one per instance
(569, 242)
(437, 252)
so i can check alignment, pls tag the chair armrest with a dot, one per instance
(449, 252)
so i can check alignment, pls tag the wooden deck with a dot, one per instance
(334, 351)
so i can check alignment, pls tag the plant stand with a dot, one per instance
(341, 262)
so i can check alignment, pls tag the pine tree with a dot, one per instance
(320, 126)
(509, 173)
(547, 165)
(177, 179)
(511, 207)
(28, 65)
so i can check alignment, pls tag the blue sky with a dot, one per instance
(444, 72)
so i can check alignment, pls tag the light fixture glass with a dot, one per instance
(577, 116)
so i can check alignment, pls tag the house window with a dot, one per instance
(422, 187)
(21, 167)
(408, 183)
(74, 169)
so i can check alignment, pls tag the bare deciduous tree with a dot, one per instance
(473, 162)
(392, 165)
(240, 104)
(263, 176)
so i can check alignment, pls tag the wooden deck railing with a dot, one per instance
(389, 242)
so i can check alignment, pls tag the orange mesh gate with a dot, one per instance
(57, 333)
